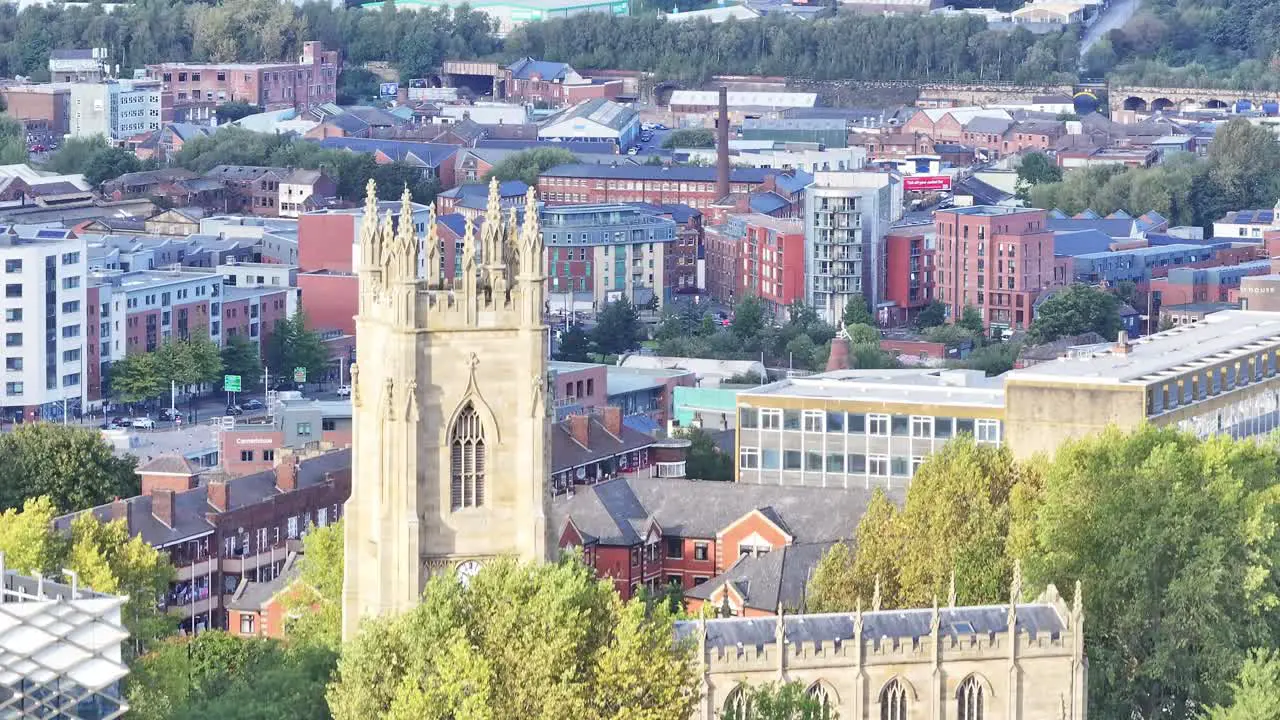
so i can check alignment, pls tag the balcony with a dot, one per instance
(200, 568)
(239, 565)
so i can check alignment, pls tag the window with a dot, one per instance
(820, 695)
(790, 419)
(814, 421)
(899, 467)
(71, 380)
(70, 283)
(246, 624)
(675, 548)
(13, 388)
(790, 459)
(467, 456)
(13, 315)
(988, 431)
(71, 331)
(12, 266)
(13, 340)
(921, 426)
(969, 700)
(13, 290)
(813, 461)
(964, 426)
(293, 527)
(878, 465)
(737, 706)
(942, 428)
(328, 424)
(268, 455)
(71, 306)
(749, 458)
(878, 425)
(857, 423)
(700, 551)
(304, 429)
(246, 456)
(901, 425)
(70, 258)
(14, 363)
(771, 419)
(747, 417)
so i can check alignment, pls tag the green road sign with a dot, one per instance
(231, 383)
(299, 374)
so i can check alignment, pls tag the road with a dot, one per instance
(1114, 16)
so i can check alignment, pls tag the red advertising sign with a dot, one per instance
(926, 183)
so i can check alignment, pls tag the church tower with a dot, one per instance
(451, 434)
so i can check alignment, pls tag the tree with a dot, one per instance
(229, 112)
(25, 540)
(194, 361)
(211, 675)
(574, 345)
(1077, 309)
(356, 84)
(782, 701)
(1255, 695)
(994, 359)
(748, 318)
(1036, 168)
(528, 165)
(291, 345)
(837, 588)
(690, 138)
(704, 460)
(971, 320)
(74, 467)
(863, 335)
(617, 328)
(109, 164)
(13, 142)
(498, 646)
(313, 604)
(932, 315)
(75, 154)
(856, 312)
(135, 377)
(1177, 599)
(833, 586)
(240, 357)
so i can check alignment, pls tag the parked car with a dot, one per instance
(252, 404)
(234, 410)
(142, 423)
(633, 150)
(170, 414)
(120, 421)
(344, 391)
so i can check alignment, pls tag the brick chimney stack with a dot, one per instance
(287, 472)
(722, 145)
(1123, 347)
(578, 428)
(162, 505)
(219, 495)
(611, 418)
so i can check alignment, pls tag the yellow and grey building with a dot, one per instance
(859, 428)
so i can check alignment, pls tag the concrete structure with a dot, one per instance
(847, 215)
(60, 649)
(1143, 98)
(1217, 376)
(995, 259)
(598, 120)
(1016, 661)
(858, 429)
(79, 65)
(611, 251)
(45, 322)
(198, 88)
(452, 415)
(115, 110)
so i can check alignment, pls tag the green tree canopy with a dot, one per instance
(575, 345)
(856, 312)
(617, 328)
(1036, 168)
(290, 344)
(690, 138)
(313, 604)
(704, 460)
(528, 165)
(1175, 542)
(109, 164)
(779, 701)
(499, 646)
(1078, 309)
(135, 377)
(240, 357)
(73, 467)
(1255, 695)
(13, 141)
(971, 320)
(932, 315)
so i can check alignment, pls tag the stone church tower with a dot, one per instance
(451, 446)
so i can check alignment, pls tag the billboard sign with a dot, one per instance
(231, 383)
(926, 183)
(388, 89)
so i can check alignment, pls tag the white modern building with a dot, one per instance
(595, 120)
(847, 215)
(116, 110)
(142, 309)
(810, 161)
(60, 650)
(44, 322)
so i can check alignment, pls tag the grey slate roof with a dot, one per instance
(957, 622)
(190, 507)
(766, 581)
(256, 594)
(567, 453)
(987, 125)
(614, 512)
(526, 67)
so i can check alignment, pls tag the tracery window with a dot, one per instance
(893, 701)
(467, 456)
(969, 700)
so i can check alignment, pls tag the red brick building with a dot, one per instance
(995, 259)
(577, 184)
(655, 532)
(758, 255)
(909, 270)
(199, 88)
(44, 107)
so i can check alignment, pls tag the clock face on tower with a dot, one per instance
(466, 570)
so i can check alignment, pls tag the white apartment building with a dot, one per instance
(145, 308)
(116, 110)
(60, 650)
(847, 215)
(44, 301)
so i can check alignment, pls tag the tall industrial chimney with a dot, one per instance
(722, 145)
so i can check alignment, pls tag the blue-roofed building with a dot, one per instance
(471, 199)
(1089, 220)
(1136, 264)
(1081, 242)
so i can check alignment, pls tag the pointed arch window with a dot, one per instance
(467, 460)
(969, 700)
(893, 701)
(737, 706)
(822, 696)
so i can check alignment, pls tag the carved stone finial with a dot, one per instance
(388, 397)
(857, 617)
(1015, 585)
(951, 592)
(1077, 602)
(875, 596)
(411, 401)
(539, 386)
